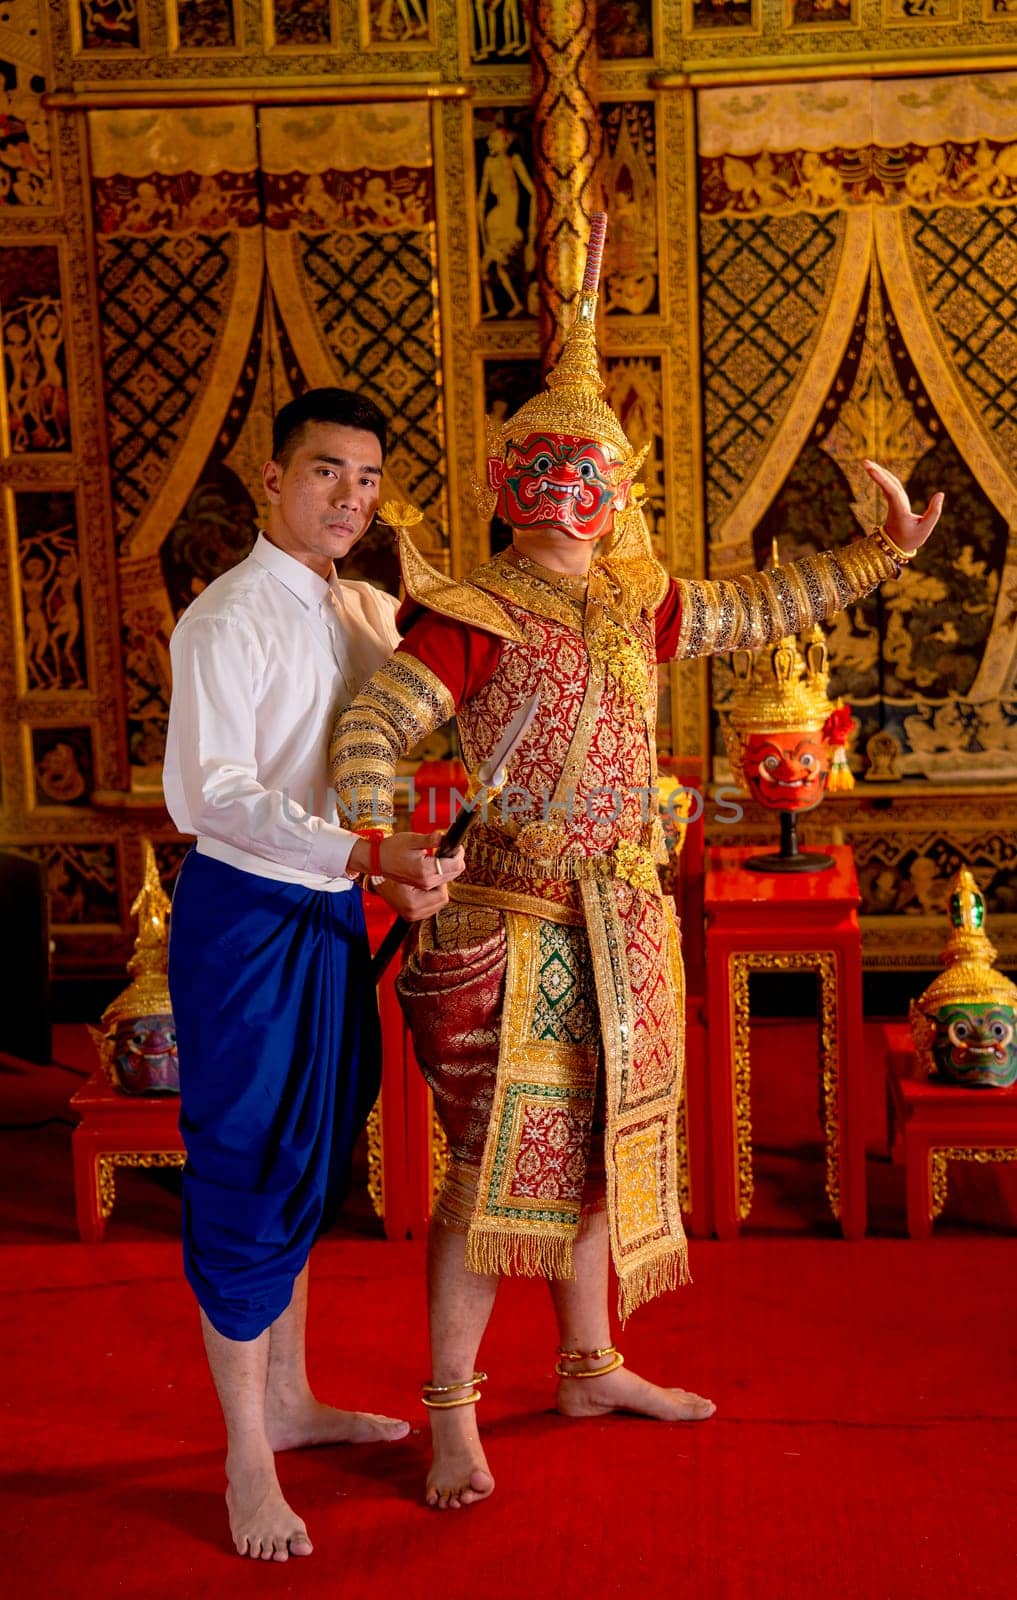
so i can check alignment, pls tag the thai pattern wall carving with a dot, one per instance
(205, 207)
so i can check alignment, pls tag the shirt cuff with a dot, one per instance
(330, 851)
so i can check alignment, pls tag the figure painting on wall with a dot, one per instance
(507, 220)
(37, 409)
(630, 257)
(51, 608)
(62, 766)
(26, 167)
(624, 29)
(724, 14)
(817, 13)
(109, 24)
(501, 28)
(301, 22)
(398, 20)
(206, 24)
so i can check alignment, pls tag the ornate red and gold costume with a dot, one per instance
(546, 1000)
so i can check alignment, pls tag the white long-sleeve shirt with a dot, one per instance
(263, 661)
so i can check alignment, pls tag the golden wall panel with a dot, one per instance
(195, 227)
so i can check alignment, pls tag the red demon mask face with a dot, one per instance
(786, 771)
(552, 482)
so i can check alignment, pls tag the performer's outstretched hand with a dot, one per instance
(907, 530)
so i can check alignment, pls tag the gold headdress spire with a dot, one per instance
(572, 403)
(147, 994)
(968, 975)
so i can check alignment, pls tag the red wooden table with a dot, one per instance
(782, 922)
(117, 1130)
(932, 1123)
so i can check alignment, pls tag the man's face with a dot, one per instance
(555, 483)
(323, 495)
(786, 771)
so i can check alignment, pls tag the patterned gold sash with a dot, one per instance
(537, 1149)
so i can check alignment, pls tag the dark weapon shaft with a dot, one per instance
(393, 939)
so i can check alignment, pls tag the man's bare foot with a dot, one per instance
(262, 1524)
(305, 1421)
(622, 1390)
(459, 1474)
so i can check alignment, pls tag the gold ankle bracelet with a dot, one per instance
(590, 1355)
(429, 1389)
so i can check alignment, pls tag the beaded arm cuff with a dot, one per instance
(764, 607)
(399, 706)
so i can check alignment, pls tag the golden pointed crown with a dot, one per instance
(147, 994)
(781, 686)
(572, 403)
(968, 976)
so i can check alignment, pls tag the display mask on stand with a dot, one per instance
(136, 1040)
(786, 740)
(965, 1024)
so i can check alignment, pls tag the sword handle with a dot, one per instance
(450, 842)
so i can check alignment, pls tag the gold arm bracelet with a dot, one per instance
(893, 550)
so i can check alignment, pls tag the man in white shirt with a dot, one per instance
(273, 1002)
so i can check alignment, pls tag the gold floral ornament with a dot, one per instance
(636, 865)
(399, 516)
(621, 658)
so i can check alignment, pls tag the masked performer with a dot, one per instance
(546, 999)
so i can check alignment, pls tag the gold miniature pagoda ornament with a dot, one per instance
(136, 1040)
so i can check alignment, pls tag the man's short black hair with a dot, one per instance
(340, 406)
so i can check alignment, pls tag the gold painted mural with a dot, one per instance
(205, 207)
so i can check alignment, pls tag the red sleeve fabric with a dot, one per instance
(668, 622)
(464, 658)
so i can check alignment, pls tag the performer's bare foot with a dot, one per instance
(622, 1390)
(262, 1524)
(307, 1422)
(459, 1474)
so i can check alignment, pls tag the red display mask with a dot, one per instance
(553, 482)
(786, 771)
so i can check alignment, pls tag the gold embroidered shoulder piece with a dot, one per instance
(400, 705)
(639, 584)
(463, 602)
(631, 564)
(764, 607)
(533, 588)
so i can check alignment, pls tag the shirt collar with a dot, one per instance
(308, 588)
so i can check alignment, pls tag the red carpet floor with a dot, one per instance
(865, 1445)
